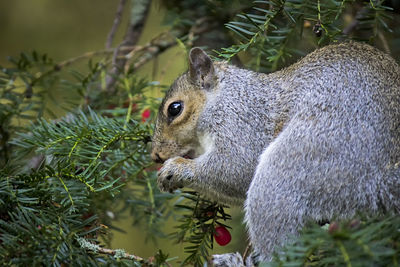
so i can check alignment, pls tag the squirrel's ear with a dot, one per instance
(201, 68)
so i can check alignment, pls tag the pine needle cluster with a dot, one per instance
(278, 32)
(357, 242)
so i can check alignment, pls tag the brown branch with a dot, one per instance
(130, 50)
(150, 50)
(167, 40)
(202, 25)
(131, 38)
(156, 47)
(117, 21)
(117, 253)
(90, 54)
(120, 254)
(57, 67)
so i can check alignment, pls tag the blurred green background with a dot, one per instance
(68, 28)
(63, 29)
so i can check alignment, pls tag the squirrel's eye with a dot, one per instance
(175, 108)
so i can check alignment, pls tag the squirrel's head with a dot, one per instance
(175, 132)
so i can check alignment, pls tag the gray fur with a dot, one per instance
(227, 260)
(315, 141)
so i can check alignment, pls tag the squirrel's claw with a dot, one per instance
(174, 174)
(166, 182)
(226, 260)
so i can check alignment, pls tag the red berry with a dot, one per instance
(222, 236)
(145, 114)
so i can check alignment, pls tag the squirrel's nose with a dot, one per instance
(156, 157)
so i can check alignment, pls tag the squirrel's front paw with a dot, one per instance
(227, 260)
(176, 173)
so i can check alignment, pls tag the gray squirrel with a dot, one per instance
(317, 140)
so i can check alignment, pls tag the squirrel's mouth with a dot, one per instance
(190, 155)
